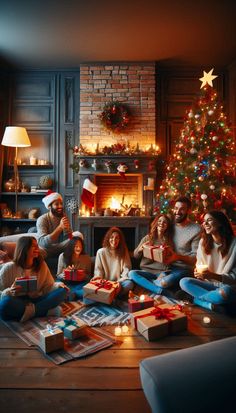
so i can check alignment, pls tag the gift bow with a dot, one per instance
(159, 313)
(69, 321)
(102, 284)
(51, 329)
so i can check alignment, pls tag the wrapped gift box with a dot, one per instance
(28, 284)
(74, 275)
(159, 321)
(135, 304)
(51, 339)
(101, 290)
(72, 327)
(156, 252)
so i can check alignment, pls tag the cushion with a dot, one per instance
(197, 379)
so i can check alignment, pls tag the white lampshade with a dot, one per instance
(15, 136)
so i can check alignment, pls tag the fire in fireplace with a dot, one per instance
(118, 193)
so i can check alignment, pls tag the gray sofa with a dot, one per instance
(200, 379)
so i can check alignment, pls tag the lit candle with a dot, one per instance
(87, 214)
(142, 298)
(118, 331)
(201, 268)
(33, 160)
(125, 329)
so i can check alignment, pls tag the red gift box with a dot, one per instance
(74, 275)
(156, 252)
(135, 304)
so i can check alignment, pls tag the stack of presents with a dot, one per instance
(150, 320)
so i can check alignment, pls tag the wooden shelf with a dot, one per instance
(24, 193)
(18, 220)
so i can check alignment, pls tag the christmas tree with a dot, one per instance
(203, 165)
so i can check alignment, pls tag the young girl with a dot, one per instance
(217, 250)
(153, 272)
(74, 258)
(27, 261)
(113, 261)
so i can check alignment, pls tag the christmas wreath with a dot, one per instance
(115, 116)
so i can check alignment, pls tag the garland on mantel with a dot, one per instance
(81, 151)
(115, 149)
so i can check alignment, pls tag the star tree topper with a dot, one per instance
(207, 78)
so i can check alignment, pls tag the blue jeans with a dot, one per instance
(14, 307)
(157, 283)
(207, 291)
(76, 289)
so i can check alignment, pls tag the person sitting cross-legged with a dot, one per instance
(74, 258)
(214, 285)
(113, 261)
(182, 239)
(15, 305)
(161, 232)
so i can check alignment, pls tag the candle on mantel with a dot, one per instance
(142, 298)
(87, 214)
(118, 331)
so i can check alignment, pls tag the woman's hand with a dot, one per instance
(171, 256)
(199, 275)
(15, 290)
(62, 285)
(96, 277)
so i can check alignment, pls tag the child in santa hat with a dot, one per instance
(74, 258)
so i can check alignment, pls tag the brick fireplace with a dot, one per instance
(132, 84)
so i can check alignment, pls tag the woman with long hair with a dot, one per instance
(152, 272)
(48, 295)
(74, 258)
(113, 261)
(216, 283)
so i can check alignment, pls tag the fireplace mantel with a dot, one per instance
(135, 228)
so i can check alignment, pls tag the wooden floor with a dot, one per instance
(106, 380)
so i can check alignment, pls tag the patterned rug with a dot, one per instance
(102, 315)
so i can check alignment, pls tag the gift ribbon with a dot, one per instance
(158, 313)
(68, 322)
(107, 285)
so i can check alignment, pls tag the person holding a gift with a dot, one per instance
(181, 254)
(113, 261)
(53, 228)
(215, 274)
(161, 234)
(26, 265)
(74, 266)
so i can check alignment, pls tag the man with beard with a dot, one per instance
(186, 238)
(53, 228)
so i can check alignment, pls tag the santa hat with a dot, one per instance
(88, 192)
(77, 234)
(50, 198)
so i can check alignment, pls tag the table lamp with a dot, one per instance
(16, 137)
